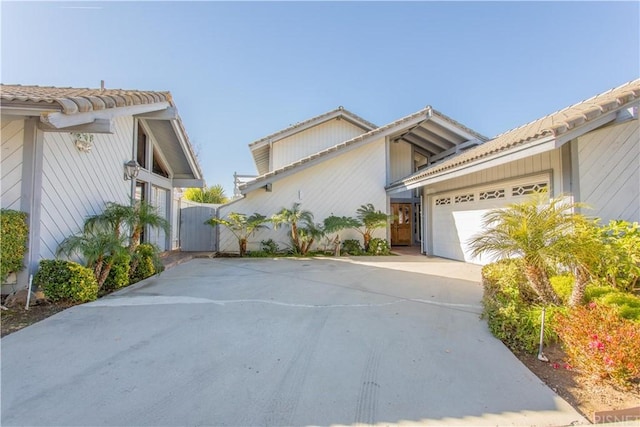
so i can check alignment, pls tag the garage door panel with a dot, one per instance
(457, 216)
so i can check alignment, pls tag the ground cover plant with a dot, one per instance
(552, 259)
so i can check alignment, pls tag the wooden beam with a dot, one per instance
(98, 126)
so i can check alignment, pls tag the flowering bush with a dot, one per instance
(601, 343)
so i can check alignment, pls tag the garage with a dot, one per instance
(457, 215)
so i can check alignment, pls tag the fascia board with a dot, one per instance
(522, 151)
(60, 120)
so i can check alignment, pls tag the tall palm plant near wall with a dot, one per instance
(241, 226)
(539, 231)
(370, 220)
(295, 218)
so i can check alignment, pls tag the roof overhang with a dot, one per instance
(261, 149)
(176, 150)
(520, 151)
(424, 124)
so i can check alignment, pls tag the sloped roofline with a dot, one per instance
(314, 121)
(572, 121)
(386, 130)
(59, 105)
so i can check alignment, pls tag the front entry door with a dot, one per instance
(401, 226)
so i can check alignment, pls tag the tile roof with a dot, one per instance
(552, 125)
(74, 100)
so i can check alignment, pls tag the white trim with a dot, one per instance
(61, 120)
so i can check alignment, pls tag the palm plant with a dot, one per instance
(294, 217)
(113, 217)
(308, 234)
(241, 226)
(214, 194)
(98, 249)
(335, 224)
(370, 220)
(142, 215)
(583, 250)
(536, 230)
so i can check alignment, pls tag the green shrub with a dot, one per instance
(145, 262)
(259, 254)
(627, 304)
(66, 281)
(379, 246)
(15, 233)
(270, 247)
(119, 273)
(619, 265)
(563, 285)
(352, 247)
(509, 309)
(601, 343)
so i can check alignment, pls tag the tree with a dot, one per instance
(98, 249)
(537, 230)
(308, 234)
(295, 218)
(214, 194)
(241, 226)
(370, 220)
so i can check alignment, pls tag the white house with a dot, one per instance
(64, 152)
(438, 177)
(336, 162)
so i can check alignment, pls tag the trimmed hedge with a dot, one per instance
(66, 281)
(119, 273)
(15, 233)
(145, 263)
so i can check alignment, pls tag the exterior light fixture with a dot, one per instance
(131, 169)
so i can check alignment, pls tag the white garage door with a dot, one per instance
(457, 215)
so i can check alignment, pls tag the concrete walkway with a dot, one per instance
(244, 342)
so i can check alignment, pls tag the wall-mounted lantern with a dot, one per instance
(131, 170)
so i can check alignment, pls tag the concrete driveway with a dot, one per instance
(243, 342)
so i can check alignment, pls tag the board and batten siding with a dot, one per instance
(337, 186)
(77, 184)
(609, 171)
(11, 162)
(311, 141)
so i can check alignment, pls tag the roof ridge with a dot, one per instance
(312, 119)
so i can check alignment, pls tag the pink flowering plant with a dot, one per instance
(599, 342)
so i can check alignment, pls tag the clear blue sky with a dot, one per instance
(240, 71)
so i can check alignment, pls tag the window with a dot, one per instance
(158, 166)
(491, 194)
(142, 146)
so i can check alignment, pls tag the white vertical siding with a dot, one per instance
(158, 236)
(338, 186)
(400, 164)
(609, 171)
(311, 141)
(76, 184)
(11, 162)
(548, 161)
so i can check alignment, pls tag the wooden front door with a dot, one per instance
(401, 226)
